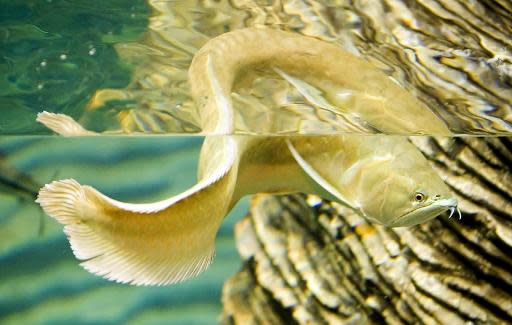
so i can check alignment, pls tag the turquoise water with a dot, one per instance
(54, 55)
(41, 281)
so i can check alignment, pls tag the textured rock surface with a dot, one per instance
(313, 262)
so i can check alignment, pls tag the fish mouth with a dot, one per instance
(427, 212)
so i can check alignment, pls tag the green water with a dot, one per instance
(55, 54)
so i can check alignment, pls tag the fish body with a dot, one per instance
(385, 179)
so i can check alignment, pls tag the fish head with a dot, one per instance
(403, 190)
(386, 179)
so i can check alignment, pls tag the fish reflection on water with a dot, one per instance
(383, 178)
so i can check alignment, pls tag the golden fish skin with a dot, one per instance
(385, 178)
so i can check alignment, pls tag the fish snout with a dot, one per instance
(425, 213)
(451, 204)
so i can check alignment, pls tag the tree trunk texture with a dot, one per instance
(309, 261)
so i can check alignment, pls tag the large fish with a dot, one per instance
(383, 178)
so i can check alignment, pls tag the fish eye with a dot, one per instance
(419, 197)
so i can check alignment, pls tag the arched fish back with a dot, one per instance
(351, 83)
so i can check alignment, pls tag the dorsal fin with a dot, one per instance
(146, 244)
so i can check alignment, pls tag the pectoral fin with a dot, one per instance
(309, 167)
(311, 93)
(145, 244)
(344, 99)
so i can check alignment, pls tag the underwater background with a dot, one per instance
(41, 281)
(73, 57)
(54, 55)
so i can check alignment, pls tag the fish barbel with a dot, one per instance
(383, 178)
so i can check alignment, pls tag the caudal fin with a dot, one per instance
(131, 243)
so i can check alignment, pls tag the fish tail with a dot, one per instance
(62, 124)
(59, 199)
(67, 203)
(143, 244)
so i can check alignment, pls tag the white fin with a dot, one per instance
(145, 244)
(321, 181)
(62, 124)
